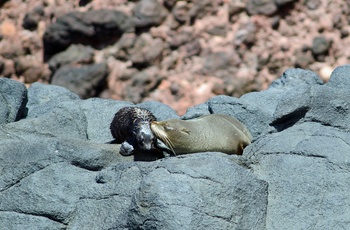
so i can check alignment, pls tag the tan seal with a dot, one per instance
(214, 133)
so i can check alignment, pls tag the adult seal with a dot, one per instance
(214, 133)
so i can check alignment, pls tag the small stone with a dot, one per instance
(312, 4)
(32, 18)
(149, 13)
(265, 7)
(320, 45)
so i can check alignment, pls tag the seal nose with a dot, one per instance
(146, 139)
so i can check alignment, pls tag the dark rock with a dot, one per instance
(265, 7)
(193, 48)
(246, 34)
(142, 84)
(149, 13)
(284, 2)
(218, 30)
(2, 67)
(320, 47)
(146, 51)
(2, 2)
(97, 28)
(312, 4)
(344, 33)
(181, 37)
(235, 7)
(86, 81)
(181, 12)
(31, 19)
(276, 22)
(169, 3)
(220, 60)
(84, 2)
(13, 100)
(200, 8)
(303, 59)
(75, 54)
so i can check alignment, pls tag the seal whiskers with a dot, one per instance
(158, 129)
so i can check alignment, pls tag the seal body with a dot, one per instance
(215, 133)
(131, 128)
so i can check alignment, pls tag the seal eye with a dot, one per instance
(168, 128)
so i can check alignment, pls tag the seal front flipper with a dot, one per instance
(126, 149)
(167, 152)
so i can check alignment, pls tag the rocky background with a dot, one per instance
(180, 53)
(56, 172)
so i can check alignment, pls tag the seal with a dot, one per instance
(215, 133)
(131, 128)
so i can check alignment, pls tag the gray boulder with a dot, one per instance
(13, 99)
(340, 77)
(43, 98)
(307, 169)
(56, 172)
(183, 193)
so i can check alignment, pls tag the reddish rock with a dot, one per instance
(182, 52)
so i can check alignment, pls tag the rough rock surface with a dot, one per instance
(181, 53)
(13, 100)
(91, 27)
(86, 81)
(56, 172)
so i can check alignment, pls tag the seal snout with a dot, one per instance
(145, 137)
(146, 140)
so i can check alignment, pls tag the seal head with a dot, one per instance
(130, 127)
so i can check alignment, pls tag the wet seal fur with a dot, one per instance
(214, 133)
(130, 127)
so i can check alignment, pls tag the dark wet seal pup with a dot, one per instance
(130, 127)
(214, 133)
